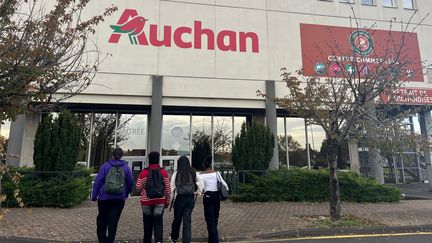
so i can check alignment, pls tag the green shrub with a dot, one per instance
(313, 186)
(64, 190)
(253, 147)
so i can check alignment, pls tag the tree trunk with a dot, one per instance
(332, 152)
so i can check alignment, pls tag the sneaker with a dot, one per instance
(171, 239)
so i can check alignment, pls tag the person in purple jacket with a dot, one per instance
(110, 205)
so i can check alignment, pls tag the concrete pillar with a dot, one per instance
(155, 116)
(375, 158)
(271, 120)
(354, 156)
(426, 130)
(21, 138)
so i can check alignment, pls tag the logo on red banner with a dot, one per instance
(133, 27)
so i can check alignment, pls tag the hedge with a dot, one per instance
(60, 191)
(300, 185)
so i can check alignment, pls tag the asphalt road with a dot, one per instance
(397, 238)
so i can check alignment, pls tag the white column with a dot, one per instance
(354, 156)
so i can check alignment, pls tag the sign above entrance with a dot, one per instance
(133, 29)
(329, 51)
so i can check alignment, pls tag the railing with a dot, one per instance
(234, 177)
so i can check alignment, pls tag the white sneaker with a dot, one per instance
(171, 240)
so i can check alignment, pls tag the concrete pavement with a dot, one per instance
(238, 221)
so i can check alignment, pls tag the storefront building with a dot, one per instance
(181, 69)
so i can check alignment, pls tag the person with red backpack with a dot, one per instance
(153, 184)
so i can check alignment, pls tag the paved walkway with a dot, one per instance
(237, 220)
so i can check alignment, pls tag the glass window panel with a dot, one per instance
(281, 138)
(175, 135)
(367, 2)
(132, 134)
(5, 129)
(409, 4)
(296, 141)
(104, 127)
(316, 137)
(201, 140)
(222, 132)
(84, 120)
(389, 3)
(238, 122)
(416, 123)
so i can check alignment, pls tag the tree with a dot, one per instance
(355, 101)
(253, 147)
(42, 145)
(43, 51)
(57, 142)
(44, 57)
(201, 142)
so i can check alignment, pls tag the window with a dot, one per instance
(389, 3)
(409, 4)
(367, 2)
(429, 74)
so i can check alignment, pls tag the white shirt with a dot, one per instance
(199, 182)
(211, 180)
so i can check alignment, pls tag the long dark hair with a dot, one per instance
(185, 173)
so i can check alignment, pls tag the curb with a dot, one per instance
(345, 231)
(276, 235)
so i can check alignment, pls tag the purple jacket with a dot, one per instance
(99, 193)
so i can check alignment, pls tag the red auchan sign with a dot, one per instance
(131, 27)
(410, 96)
(327, 51)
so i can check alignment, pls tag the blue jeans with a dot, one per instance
(183, 207)
(152, 220)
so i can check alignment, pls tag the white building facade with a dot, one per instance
(180, 67)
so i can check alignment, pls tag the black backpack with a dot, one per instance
(155, 184)
(187, 189)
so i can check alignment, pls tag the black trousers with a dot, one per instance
(153, 221)
(183, 207)
(211, 203)
(108, 217)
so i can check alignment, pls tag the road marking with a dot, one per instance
(340, 237)
(361, 236)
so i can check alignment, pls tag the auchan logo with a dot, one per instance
(131, 26)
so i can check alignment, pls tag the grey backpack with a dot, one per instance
(115, 180)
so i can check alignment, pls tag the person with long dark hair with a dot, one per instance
(211, 199)
(186, 183)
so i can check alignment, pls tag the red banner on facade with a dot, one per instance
(329, 51)
(410, 96)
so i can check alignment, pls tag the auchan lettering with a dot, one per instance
(132, 25)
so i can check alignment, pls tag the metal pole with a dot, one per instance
(212, 140)
(116, 127)
(90, 138)
(190, 137)
(307, 145)
(395, 170)
(403, 168)
(286, 144)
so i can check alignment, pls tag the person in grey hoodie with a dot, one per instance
(110, 205)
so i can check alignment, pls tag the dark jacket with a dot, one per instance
(99, 193)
